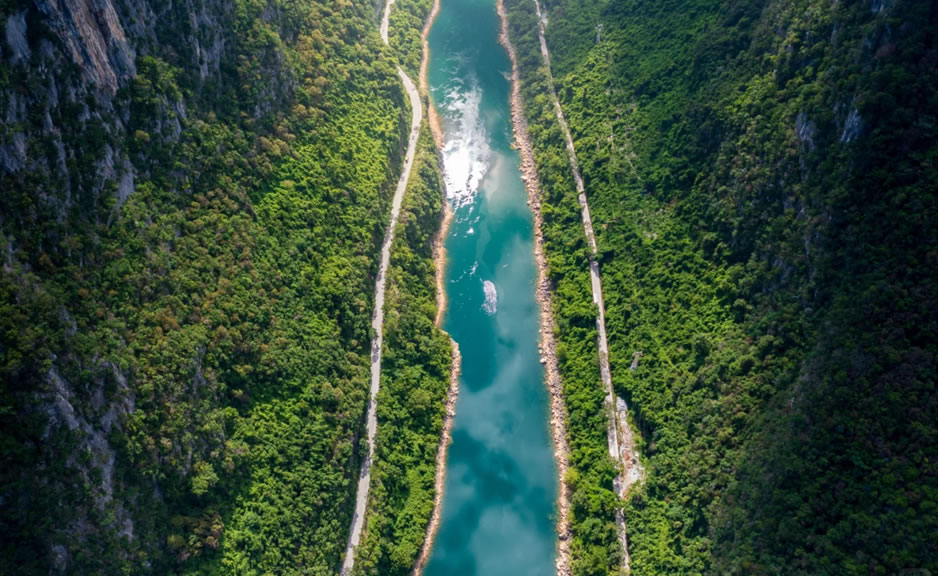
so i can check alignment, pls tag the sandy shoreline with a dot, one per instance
(435, 129)
(439, 243)
(439, 257)
(547, 345)
(440, 477)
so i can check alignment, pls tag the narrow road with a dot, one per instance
(623, 453)
(377, 320)
(385, 21)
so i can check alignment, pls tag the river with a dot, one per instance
(500, 491)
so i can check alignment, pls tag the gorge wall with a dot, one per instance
(194, 196)
(761, 181)
(192, 201)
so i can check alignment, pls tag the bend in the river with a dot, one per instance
(499, 502)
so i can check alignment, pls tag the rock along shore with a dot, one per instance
(547, 345)
(439, 257)
(440, 478)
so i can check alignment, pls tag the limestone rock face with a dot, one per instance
(73, 150)
(92, 32)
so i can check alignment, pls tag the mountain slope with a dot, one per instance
(761, 181)
(194, 201)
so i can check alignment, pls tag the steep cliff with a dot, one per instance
(193, 199)
(761, 177)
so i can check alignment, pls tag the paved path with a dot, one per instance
(377, 320)
(617, 449)
(385, 19)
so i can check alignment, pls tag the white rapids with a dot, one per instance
(466, 156)
(491, 297)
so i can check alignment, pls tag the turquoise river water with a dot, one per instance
(500, 493)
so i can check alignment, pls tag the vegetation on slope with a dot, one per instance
(185, 369)
(415, 379)
(417, 356)
(761, 176)
(408, 18)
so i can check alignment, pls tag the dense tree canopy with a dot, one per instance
(185, 366)
(761, 180)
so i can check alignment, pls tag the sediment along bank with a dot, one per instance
(548, 344)
(620, 442)
(499, 502)
(377, 322)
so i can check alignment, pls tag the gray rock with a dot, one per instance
(805, 129)
(95, 39)
(853, 127)
(16, 36)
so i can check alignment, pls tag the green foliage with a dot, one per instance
(416, 366)
(417, 356)
(213, 328)
(406, 24)
(762, 254)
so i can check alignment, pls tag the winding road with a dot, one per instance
(377, 320)
(620, 444)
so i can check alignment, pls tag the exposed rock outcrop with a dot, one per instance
(92, 32)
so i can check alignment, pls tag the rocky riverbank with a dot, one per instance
(439, 256)
(624, 454)
(432, 118)
(440, 478)
(547, 345)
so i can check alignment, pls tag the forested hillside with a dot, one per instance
(194, 196)
(762, 179)
(415, 378)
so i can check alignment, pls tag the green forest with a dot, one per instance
(761, 177)
(193, 198)
(415, 379)
(185, 366)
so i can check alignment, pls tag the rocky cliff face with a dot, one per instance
(65, 163)
(94, 39)
(70, 64)
(100, 99)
